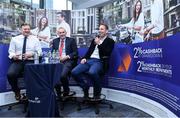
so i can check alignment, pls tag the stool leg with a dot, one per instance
(25, 106)
(96, 108)
(62, 105)
(78, 106)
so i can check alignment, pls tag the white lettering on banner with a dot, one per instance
(140, 53)
(36, 100)
(159, 69)
(146, 88)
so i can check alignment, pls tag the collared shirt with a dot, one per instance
(157, 17)
(66, 26)
(95, 53)
(16, 46)
(63, 51)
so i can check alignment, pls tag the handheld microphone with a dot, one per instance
(97, 35)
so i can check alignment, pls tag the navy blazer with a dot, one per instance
(70, 47)
(105, 50)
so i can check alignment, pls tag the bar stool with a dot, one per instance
(95, 102)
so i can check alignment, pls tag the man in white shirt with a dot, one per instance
(21, 51)
(63, 23)
(156, 29)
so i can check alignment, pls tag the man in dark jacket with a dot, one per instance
(68, 56)
(94, 62)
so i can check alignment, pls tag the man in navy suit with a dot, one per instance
(94, 62)
(68, 56)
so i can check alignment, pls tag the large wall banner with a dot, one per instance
(145, 59)
(150, 69)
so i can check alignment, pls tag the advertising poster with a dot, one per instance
(145, 60)
(12, 15)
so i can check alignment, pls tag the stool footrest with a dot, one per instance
(95, 102)
(94, 99)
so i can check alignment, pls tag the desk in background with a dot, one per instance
(40, 81)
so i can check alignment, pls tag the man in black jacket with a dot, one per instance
(94, 62)
(68, 56)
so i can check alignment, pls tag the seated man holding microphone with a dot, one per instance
(68, 56)
(21, 51)
(94, 62)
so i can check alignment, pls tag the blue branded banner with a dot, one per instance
(4, 64)
(150, 69)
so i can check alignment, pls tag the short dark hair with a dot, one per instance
(25, 24)
(62, 14)
(104, 25)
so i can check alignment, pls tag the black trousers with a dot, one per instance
(65, 74)
(15, 70)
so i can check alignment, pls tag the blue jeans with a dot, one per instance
(93, 67)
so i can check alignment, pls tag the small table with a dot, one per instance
(40, 80)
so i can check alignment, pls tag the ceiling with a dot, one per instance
(78, 1)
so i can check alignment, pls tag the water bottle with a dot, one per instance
(53, 56)
(57, 56)
(36, 58)
(50, 57)
(46, 57)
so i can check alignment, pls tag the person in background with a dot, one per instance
(155, 30)
(136, 25)
(68, 56)
(63, 23)
(95, 62)
(21, 51)
(43, 32)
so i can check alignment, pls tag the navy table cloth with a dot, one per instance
(40, 80)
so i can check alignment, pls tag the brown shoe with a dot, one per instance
(17, 95)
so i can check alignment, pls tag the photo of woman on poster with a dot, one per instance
(42, 32)
(136, 25)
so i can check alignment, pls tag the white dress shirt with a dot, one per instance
(157, 17)
(95, 53)
(66, 26)
(16, 46)
(45, 32)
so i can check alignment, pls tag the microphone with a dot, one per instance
(97, 35)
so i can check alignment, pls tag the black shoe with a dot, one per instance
(17, 95)
(86, 93)
(65, 94)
